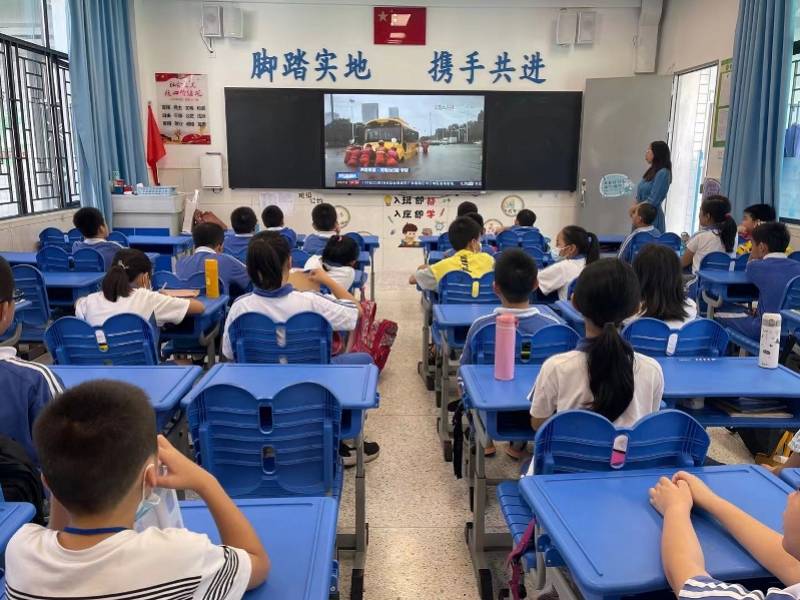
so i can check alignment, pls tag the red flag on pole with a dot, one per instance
(155, 145)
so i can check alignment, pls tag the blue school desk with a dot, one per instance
(603, 528)
(297, 533)
(434, 256)
(167, 246)
(20, 258)
(13, 515)
(165, 385)
(727, 286)
(64, 289)
(571, 315)
(356, 388)
(792, 477)
(202, 329)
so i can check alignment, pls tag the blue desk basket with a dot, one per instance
(53, 258)
(304, 339)
(287, 445)
(124, 339)
(458, 287)
(531, 349)
(88, 260)
(36, 317)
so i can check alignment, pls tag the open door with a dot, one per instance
(621, 116)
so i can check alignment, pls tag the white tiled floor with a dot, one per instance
(415, 507)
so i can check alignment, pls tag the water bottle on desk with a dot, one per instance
(212, 278)
(505, 341)
(770, 346)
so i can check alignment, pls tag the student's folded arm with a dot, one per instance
(195, 307)
(425, 278)
(686, 258)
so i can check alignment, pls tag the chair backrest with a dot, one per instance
(30, 281)
(740, 262)
(124, 339)
(672, 240)
(88, 260)
(791, 294)
(576, 441)
(52, 236)
(53, 258)
(458, 287)
(530, 349)
(701, 337)
(507, 239)
(444, 243)
(170, 281)
(532, 239)
(74, 235)
(299, 258)
(358, 238)
(287, 445)
(641, 239)
(648, 336)
(304, 339)
(540, 256)
(119, 237)
(716, 261)
(795, 255)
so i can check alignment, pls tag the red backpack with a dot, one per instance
(375, 339)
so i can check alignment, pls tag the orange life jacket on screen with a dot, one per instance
(364, 157)
(380, 156)
(391, 157)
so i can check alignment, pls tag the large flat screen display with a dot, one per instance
(403, 141)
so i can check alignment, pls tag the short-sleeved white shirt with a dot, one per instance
(96, 308)
(702, 243)
(156, 563)
(344, 276)
(558, 276)
(691, 314)
(341, 314)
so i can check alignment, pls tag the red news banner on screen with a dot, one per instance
(401, 25)
(183, 108)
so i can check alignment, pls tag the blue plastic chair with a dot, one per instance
(53, 258)
(531, 349)
(795, 255)
(444, 243)
(196, 281)
(701, 337)
(716, 261)
(88, 260)
(507, 239)
(74, 235)
(299, 258)
(283, 446)
(648, 336)
(119, 237)
(641, 239)
(304, 339)
(532, 240)
(52, 236)
(740, 262)
(124, 339)
(458, 287)
(36, 317)
(542, 259)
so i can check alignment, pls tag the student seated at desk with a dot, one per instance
(574, 249)
(127, 288)
(272, 217)
(717, 232)
(770, 270)
(485, 247)
(754, 215)
(326, 224)
(604, 374)
(101, 460)
(243, 223)
(208, 240)
(682, 556)
(90, 222)
(338, 260)
(663, 292)
(466, 207)
(27, 386)
(643, 216)
(524, 221)
(465, 236)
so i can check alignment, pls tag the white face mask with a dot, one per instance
(149, 501)
(555, 252)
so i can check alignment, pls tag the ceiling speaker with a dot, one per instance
(212, 20)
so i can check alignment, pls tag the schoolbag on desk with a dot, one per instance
(375, 339)
(19, 477)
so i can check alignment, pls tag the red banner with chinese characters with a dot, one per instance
(183, 108)
(402, 25)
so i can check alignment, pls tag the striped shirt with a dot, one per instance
(708, 587)
(163, 564)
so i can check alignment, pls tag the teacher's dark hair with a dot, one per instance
(662, 159)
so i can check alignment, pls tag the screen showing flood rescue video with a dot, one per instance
(406, 141)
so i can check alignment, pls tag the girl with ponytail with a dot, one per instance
(574, 249)
(717, 232)
(604, 374)
(127, 289)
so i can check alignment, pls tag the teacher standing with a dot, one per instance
(655, 182)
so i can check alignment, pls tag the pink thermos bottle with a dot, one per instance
(504, 345)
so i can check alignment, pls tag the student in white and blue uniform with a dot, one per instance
(326, 225)
(27, 386)
(208, 239)
(272, 218)
(90, 222)
(770, 270)
(525, 221)
(243, 224)
(575, 248)
(642, 218)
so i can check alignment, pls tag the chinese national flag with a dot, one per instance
(155, 145)
(399, 25)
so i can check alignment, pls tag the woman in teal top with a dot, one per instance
(655, 182)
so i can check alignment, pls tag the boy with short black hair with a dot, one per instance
(525, 218)
(753, 216)
(27, 386)
(465, 236)
(272, 217)
(92, 225)
(243, 223)
(326, 224)
(100, 460)
(465, 208)
(643, 216)
(208, 242)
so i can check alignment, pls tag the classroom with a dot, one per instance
(334, 299)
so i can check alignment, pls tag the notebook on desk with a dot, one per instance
(181, 293)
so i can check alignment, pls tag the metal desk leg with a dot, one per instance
(443, 422)
(425, 370)
(372, 274)
(357, 542)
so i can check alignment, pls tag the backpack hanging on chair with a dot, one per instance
(375, 339)
(19, 478)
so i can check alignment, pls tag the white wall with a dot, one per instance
(22, 234)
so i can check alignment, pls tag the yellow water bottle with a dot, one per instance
(212, 278)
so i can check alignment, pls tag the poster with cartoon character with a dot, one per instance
(412, 216)
(409, 236)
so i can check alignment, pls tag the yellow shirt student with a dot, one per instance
(476, 264)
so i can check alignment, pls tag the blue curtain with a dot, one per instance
(762, 55)
(105, 100)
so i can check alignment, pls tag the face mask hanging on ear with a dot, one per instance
(159, 508)
(555, 252)
(149, 501)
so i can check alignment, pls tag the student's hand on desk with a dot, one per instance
(182, 473)
(701, 493)
(667, 496)
(320, 277)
